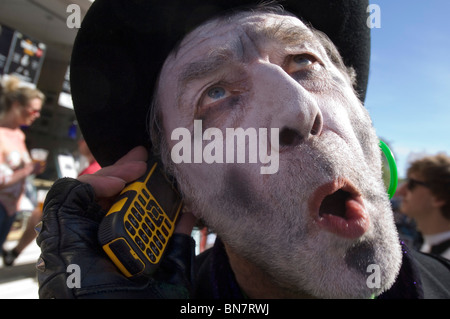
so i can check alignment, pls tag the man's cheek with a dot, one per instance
(368, 141)
(344, 114)
(238, 188)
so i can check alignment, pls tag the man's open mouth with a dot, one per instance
(338, 208)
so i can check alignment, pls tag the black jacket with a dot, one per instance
(69, 236)
(422, 276)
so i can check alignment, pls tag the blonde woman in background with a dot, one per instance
(19, 106)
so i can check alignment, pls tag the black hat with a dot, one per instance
(122, 44)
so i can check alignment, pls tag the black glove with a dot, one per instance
(68, 241)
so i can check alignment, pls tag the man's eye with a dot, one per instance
(303, 60)
(216, 93)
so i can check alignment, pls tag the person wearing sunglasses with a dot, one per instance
(426, 199)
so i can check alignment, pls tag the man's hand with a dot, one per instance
(69, 237)
(110, 180)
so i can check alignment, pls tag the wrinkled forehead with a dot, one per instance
(248, 22)
(225, 31)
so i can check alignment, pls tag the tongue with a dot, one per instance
(344, 215)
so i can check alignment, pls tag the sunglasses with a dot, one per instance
(412, 183)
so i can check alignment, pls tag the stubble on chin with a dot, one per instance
(270, 217)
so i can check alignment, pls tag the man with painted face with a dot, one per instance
(317, 227)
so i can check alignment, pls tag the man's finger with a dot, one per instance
(138, 153)
(110, 180)
(127, 171)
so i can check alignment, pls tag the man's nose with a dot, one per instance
(291, 108)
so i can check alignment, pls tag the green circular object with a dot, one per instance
(392, 168)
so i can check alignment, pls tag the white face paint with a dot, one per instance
(264, 70)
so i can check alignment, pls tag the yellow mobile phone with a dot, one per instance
(136, 230)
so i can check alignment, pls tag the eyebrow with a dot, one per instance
(216, 60)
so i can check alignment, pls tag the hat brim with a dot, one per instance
(122, 44)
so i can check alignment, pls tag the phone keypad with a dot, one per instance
(148, 226)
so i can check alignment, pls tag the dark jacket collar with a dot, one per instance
(215, 278)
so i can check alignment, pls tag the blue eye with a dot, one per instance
(303, 60)
(216, 92)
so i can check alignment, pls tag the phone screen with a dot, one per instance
(161, 189)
